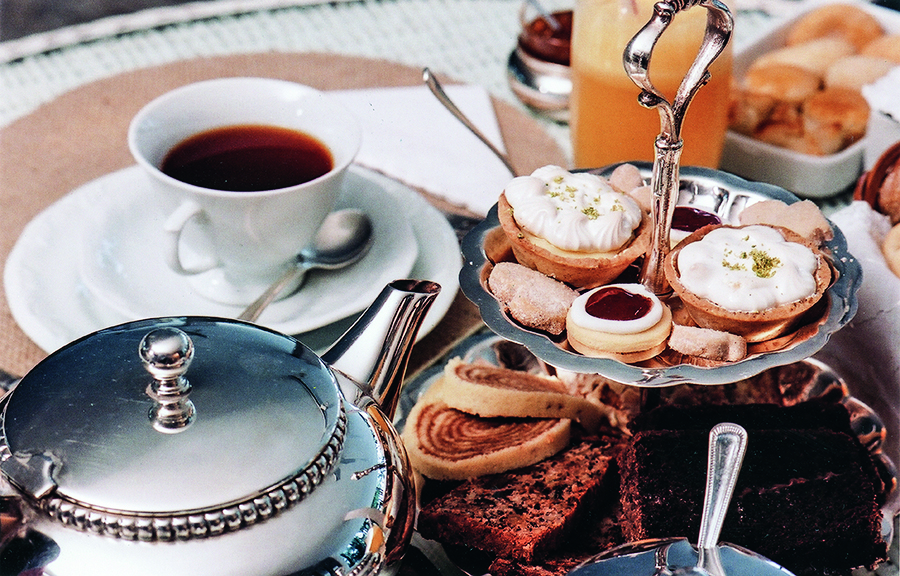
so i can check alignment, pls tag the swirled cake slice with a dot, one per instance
(444, 443)
(488, 391)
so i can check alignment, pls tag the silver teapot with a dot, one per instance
(207, 446)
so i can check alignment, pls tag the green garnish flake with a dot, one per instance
(760, 262)
(764, 265)
(732, 266)
(591, 213)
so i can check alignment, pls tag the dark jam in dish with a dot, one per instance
(614, 303)
(632, 274)
(688, 218)
(540, 40)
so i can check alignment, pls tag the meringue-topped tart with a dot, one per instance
(574, 227)
(625, 322)
(755, 281)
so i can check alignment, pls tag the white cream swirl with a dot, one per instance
(748, 269)
(579, 315)
(580, 212)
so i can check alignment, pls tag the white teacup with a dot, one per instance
(234, 243)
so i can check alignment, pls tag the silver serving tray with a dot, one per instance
(711, 190)
(822, 382)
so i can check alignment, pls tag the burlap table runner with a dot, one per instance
(81, 136)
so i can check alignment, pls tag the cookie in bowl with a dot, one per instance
(624, 322)
(755, 281)
(573, 227)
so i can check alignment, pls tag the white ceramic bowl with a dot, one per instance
(806, 175)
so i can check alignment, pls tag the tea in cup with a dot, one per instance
(246, 169)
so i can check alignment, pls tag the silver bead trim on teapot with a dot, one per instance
(166, 354)
(369, 496)
(201, 523)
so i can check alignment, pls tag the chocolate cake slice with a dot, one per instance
(527, 513)
(807, 496)
(601, 532)
(812, 414)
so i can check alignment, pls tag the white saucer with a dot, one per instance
(122, 266)
(51, 301)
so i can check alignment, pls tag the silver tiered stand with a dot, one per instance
(712, 190)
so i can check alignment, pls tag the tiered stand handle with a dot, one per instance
(665, 179)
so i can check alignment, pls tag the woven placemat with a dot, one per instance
(81, 136)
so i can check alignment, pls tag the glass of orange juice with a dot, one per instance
(607, 123)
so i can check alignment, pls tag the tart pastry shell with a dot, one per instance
(753, 326)
(581, 270)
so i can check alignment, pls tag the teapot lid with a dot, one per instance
(172, 428)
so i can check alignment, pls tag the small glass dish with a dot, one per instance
(538, 68)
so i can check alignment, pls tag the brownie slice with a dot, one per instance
(813, 414)
(526, 513)
(806, 497)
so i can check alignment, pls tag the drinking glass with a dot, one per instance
(608, 125)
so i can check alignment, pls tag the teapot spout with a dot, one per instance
(375, 351)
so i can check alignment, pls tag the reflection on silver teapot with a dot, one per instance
(212, 446)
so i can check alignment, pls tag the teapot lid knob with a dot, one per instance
(167, 353)
(256, 399)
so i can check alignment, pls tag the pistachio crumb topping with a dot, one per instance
(732, 265)
(764, 264)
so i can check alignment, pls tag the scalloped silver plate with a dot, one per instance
(823, 382)
(710, 190)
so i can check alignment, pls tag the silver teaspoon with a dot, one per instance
(344, 238)
(727, 446)
(432, 82)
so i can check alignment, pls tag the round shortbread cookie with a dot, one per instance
(623, 347)
(857, 70)
(887, 46)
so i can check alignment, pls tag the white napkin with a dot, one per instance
(866, 352)
(409, 135)
(883, 127)
(882, 94)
